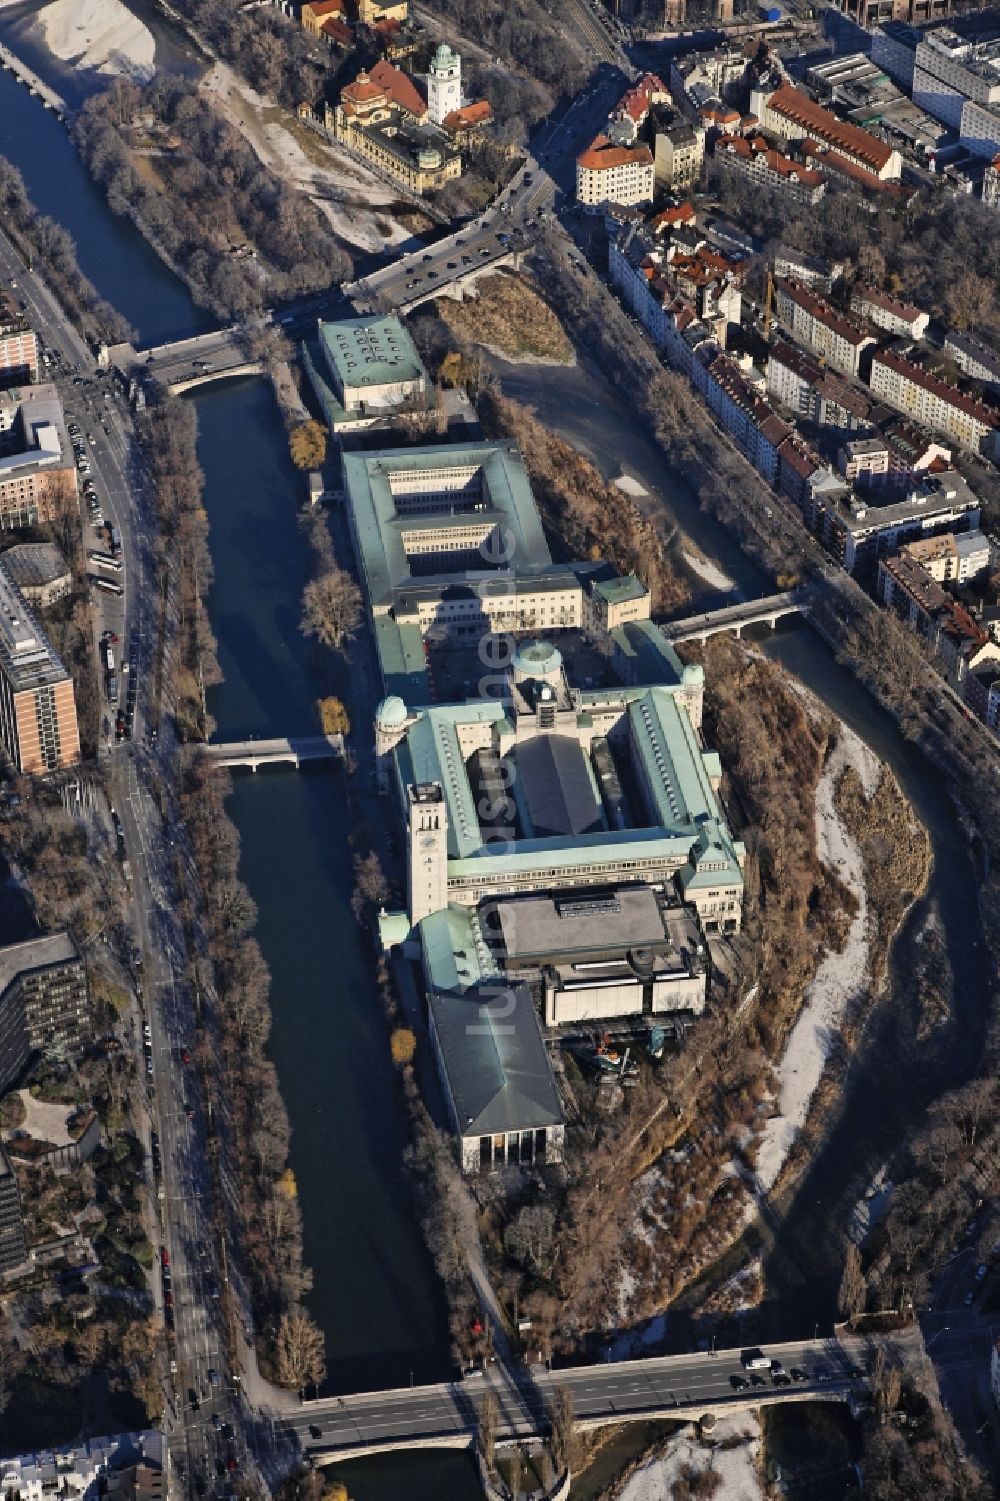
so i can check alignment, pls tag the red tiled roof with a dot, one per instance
(903, 310)
(361, 91)
(325, 7)
(683, 214)
(821, 311)
(600, 155)
(636, 101)
(469, 116)
(838, 134)
(398, 88)
(338, 30)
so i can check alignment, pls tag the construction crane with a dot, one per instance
(768, 298)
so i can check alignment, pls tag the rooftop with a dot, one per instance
(944, 390)
(35, 563)
(493, 1056)
(821, 310)
(601, 156)
(35, 953)
(370, 352)
(816, 121)
(28, 658)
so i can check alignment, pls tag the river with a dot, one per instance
(375, 1294)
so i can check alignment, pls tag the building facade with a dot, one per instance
(934, 402)
(18, 346)
(755, 162)
(13, 1240)
(888, 312)
(37, 472)
(44, 1003)
(812, 321)
(608, 173)
(790, 114)
(38, 724)
(678, 156)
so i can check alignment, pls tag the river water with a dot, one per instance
(375, 1293)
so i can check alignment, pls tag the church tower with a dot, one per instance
(427, 853)
(444, 83)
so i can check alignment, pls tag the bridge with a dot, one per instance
(187, 363)
(33, 83)
(736, 617)
(447, 268)
(294, 751)
(679, 1387)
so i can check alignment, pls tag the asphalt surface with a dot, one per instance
(659, 1385)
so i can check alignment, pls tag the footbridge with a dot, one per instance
(736, 618)
(678, 1387)
(33, 83)
(187, 363)
(294, 751)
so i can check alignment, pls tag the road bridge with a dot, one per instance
(736, 617)
(33, 83)
(497, 238)
(186, 363)
(294, 751)
(679, 1387)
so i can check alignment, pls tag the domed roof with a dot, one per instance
(537, 659)
(391, 713)
(444, 54)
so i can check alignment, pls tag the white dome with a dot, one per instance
(536, 659)
(391, 713)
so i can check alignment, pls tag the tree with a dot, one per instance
(851, 1299)
(561, 1427)
(307, 445)
(530, 1239)
(403, 1044)
(301, 1351)
(486, 1428)
(886, 1382)
(331, 608)
(333, 716)
(871, 265)
(970, 300)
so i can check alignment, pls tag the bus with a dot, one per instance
(112, 688)
(116, 541)
(105, 560)
(107, 586)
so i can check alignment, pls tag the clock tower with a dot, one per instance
(444, 84)
(427, 852)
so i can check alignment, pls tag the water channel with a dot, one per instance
(375, 1294)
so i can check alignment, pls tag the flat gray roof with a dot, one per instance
(35, 563)
(35, 953)
(27, 656)
(580, 923)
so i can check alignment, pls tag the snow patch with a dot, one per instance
(839, 978)
(630, 486)
(99, 35)
(706, 570)
(736, 1467)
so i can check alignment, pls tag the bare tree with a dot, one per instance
(851, 1299)
(561, 1427)
(331, 608)
(886, 1382)
(486, 1429)
(301, 1352)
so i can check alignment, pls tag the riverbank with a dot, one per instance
(99, 36)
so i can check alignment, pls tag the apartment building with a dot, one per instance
(44, 1003)
(860, 533)
(866, 459)
(793, 116)
(678, 156)
(758, 164)
(812, 321)
(810, 270)
(934, 402)
(13, 1240)
(701, 79)
(905, 586)
(18, 346)
(38, 724)
(954, 558)
(743, 412)
(609, 173)
(973, 358)
(888, 312)
(37, 471)
(991, 183)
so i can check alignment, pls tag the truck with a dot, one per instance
(755, 1360)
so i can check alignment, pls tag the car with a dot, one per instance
(216, 1420)
(856, 1373)
(432, 272)
(981, 1271)
(757, 1379)
(781, 1378)
(185, 1055)
(149, 1067)
(968, 1298)
(213, 1377)
(231, 1463)
(822, 1374)
(738, 1383)
(315, 1431)
(427, 257)
(798, 1374)
(452, 265)
(777, 1369)
(168, 1298)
